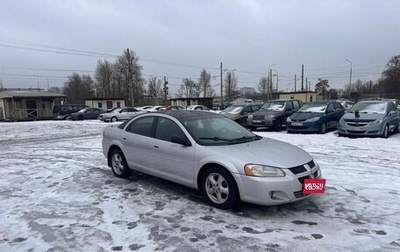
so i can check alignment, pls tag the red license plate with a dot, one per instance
(314, 186)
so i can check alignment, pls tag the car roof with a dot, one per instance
(183, 114)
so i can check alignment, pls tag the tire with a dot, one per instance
(252, 128)
(278, 125)
(80, 118)
(118, 164)
(322, 129)
(219, 188)
(385, 133)
(113, 119)
(397, 129)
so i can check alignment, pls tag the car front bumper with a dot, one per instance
(275, 191)
(303, 127)
(361, 131)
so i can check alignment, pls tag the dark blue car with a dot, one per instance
(316, 117)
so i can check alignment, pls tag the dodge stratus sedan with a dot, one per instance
(213, 154)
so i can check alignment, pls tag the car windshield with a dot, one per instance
(313, 108)
(217, 130)
(233, 109)
(274, 105)
(377, 107)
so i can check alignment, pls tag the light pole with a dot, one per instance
(351, 72)
(277, 87)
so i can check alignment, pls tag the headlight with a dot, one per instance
(250, 117)
(341, 121)
(256, 170)
(269, 116)
(314, 119)
(288, 119)
(377, 121)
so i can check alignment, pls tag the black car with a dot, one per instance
(87, 113)
(315, 117)
(240, 112)
(63, 111)
(273, 114)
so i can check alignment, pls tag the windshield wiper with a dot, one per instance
(216, 139)
(246, 139)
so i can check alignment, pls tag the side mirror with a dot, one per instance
(181, 140)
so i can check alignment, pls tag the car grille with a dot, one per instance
(258, 117)
(304, 173)
(357, 123)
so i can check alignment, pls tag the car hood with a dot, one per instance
(363, 116)
(267, 112)
(230, 115)
(302, 116)
(265, 151)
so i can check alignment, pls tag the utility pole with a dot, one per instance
(302, 78)
(222, 96)
(229, 86)
(130, 83)
(270, 84)
(165, 90)
(295, 78)
(351, 72)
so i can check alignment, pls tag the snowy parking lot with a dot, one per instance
(57, 194)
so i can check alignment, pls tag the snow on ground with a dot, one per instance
(57, 194)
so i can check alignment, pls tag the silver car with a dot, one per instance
(213, 154)
(119, 114)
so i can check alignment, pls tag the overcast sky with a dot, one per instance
(178, 38)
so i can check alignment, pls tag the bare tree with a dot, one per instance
(78, 88)
(205, 84)
(154, 88)
(104, 78)
(187, 89)
(322, 87)
(231, 85)
(55, 89)
(263, 85)
(127, 66)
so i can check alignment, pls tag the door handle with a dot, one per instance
(156, 146)
(124, 138)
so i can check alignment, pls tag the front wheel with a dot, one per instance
(278, 125)
(322, 129)
(118, 164)
(113, 119)
(385, 133)
(219, 188)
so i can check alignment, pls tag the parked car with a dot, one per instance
(86, 113)
(240, 112)
(211, 153)
(156, 108)
(273, 114)
(175, 108)
(144, 107)
(315, 117)
(62, 112)
(200, 107)
(370, 118)
(119, 114)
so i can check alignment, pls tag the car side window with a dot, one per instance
(255, 108)
(289, 105)
(247, 110)
(330, 108)
(166, 129)
(392, 107)
(141, 126)
(296, 105)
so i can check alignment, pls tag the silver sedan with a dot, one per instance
(213, 154)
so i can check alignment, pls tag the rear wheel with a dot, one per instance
(219, 188)
(80, 117)
(118, 164)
